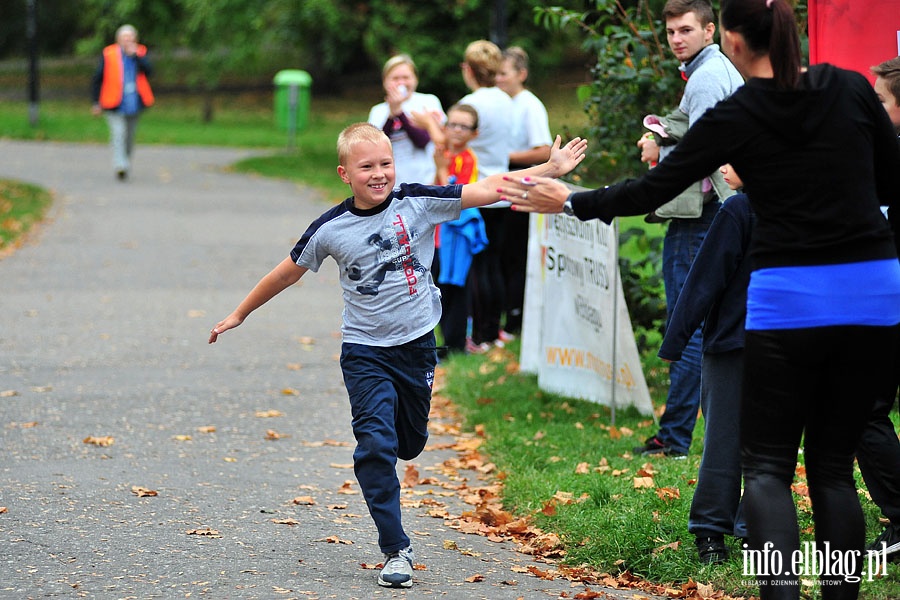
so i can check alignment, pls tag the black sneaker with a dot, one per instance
(889, 541)
(712, 550)
(654, 446)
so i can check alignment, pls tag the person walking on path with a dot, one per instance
(711, 77)
(817, 155)
(121, 91)
(382, 240)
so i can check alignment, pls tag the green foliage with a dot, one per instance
(634, 72)
(436, 35)
(640, 264)
(537, 440)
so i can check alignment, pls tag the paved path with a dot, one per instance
(104, 316)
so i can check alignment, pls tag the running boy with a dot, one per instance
(382, 240)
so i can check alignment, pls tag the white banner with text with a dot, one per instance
(576, 331)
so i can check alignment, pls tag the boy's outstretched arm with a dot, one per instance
(286, 274)
(562, 160)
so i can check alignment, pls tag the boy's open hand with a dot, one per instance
(230, 322)
(567, 157)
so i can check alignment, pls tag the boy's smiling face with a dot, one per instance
(369, 170)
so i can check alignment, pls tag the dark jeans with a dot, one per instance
(390, 396)
(818, 383)
(716, 508)
(680, 246)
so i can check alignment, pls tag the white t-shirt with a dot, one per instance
(532, 124)
(495, 129)
(412, 165)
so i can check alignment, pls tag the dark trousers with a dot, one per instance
(390, 396)
(454, 316)
(486, 280)
(818, 383)
(878, 455)
(514, 261)
(716, 508)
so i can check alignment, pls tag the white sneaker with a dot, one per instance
(398, 569)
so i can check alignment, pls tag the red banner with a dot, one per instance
(854, 34)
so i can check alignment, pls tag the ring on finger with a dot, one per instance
(525, 195)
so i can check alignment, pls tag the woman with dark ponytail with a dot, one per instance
(817, 154)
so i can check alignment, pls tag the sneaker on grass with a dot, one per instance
(711, 549)
(888, 542)
(398, 569)
(654, 446)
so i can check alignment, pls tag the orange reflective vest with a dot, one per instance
(113, 78)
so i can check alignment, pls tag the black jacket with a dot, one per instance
(816, 162)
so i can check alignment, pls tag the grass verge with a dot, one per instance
(22, 206)
(632, 511)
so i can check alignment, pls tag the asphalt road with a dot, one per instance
(104, 317)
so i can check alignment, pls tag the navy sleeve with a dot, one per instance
(712, 271)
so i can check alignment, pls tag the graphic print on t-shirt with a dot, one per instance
(393, 253)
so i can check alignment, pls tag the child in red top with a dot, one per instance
(457, 241)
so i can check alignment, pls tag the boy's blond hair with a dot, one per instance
(356, 133)
(484, 59)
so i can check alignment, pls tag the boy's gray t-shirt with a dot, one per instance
(384, 255)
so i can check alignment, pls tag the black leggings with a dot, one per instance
(818, 383)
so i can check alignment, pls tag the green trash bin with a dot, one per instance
(292, 97)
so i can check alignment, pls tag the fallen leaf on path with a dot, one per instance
(142, 492)
(182, 438)
(3, 510)
(304, 500)
(268, 414)
(104, 440)
(475, 578)
(410, 477)
(8, 393)
(273, 435)
(207, 429)
(347, 488)
(341, 465)
(206, 532)
(288, 521)
(333, 539)
(289, 392)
